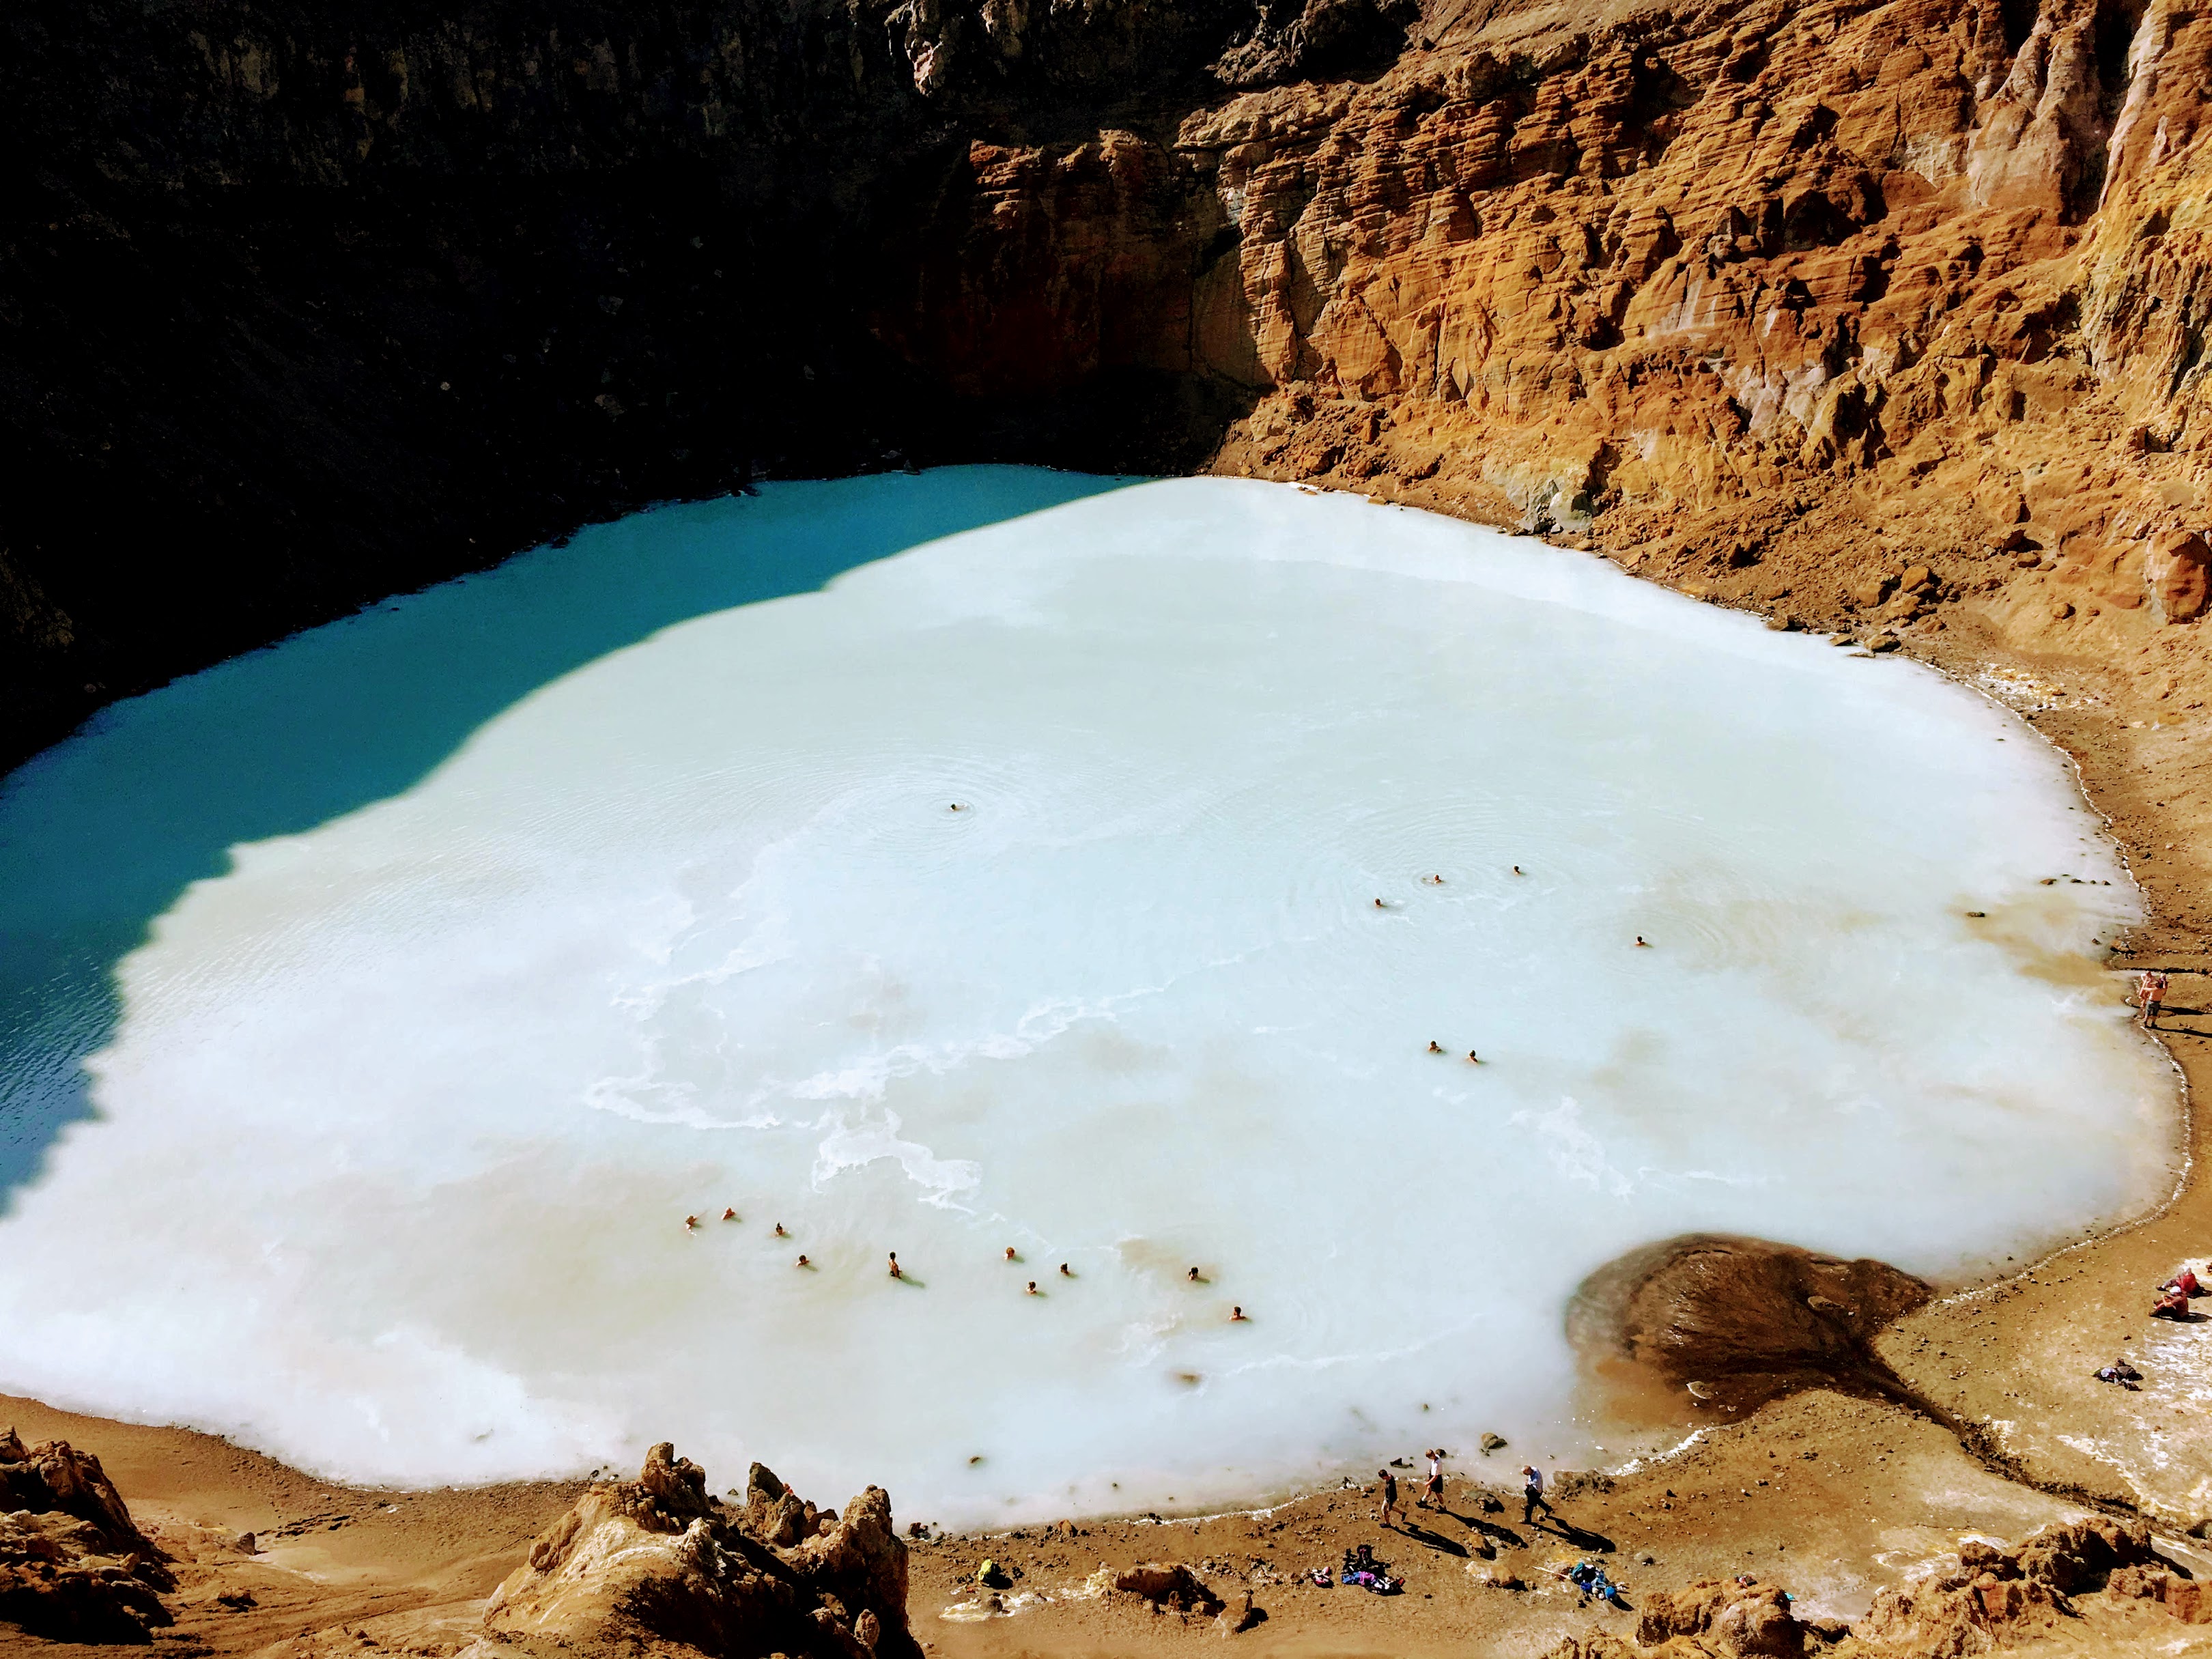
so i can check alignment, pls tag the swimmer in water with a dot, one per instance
(802, 1262)
(1033, 1289)
(1379, 905)
(1518, 870)
(1472, 1057)
(1435, 1047)
(691, 1223)
(955, 807)
(895, 1274)
(1642, 943)
(1194, 1275)
(1064, 1272)
(1010, 1253)
(1236, 1316)
(729, 1215)
(780, 1232)
(1434, 881)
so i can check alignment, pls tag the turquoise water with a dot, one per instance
(98, 835)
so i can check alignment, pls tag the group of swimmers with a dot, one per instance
(1236, 1314)
(1473, 1057)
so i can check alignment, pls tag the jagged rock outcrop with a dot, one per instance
(1988, 1597)
(1737, 1321)
(1730, 1620)
(660, 1566)
(73, 1565)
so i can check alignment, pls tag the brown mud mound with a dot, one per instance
(1731, 1323)
(73, 1565)
(658, 1566)
(1171, 1585)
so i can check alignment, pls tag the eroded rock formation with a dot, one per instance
(660, 1566)
(1729, 1619)
(73, 1566)
(1989, 1597)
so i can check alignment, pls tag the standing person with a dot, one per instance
(1387, 1492)
(1434, 1492)
(1532, 1495)
(2151, 993)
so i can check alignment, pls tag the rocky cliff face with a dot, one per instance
(1878, 313)
(1703, 283)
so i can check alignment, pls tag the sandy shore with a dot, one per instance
(1830, 1497)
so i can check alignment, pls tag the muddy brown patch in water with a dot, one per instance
(1713, 1325)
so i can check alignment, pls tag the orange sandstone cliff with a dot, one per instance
(1886, 318)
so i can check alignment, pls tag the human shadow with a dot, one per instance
(1498, 1533)
(1580, 1537)
(100, 835)
(1434, 1541)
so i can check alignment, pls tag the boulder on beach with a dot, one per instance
(658, 1566)
(74, 1567)
(1729, 1619)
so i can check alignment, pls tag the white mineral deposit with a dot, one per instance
(1093, 882)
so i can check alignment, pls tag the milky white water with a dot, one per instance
(399, 1123)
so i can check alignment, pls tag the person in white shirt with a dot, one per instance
(1433, 1493)
(1532, 1495)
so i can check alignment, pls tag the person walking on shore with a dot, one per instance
(1532, 1495)
(1387, 1492)
(2150, 992)
(1433, 1493)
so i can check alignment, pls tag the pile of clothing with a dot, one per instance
(1361, 1568)
(2121, 1372)
(1590, 1579)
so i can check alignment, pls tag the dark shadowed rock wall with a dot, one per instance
(301, 306)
